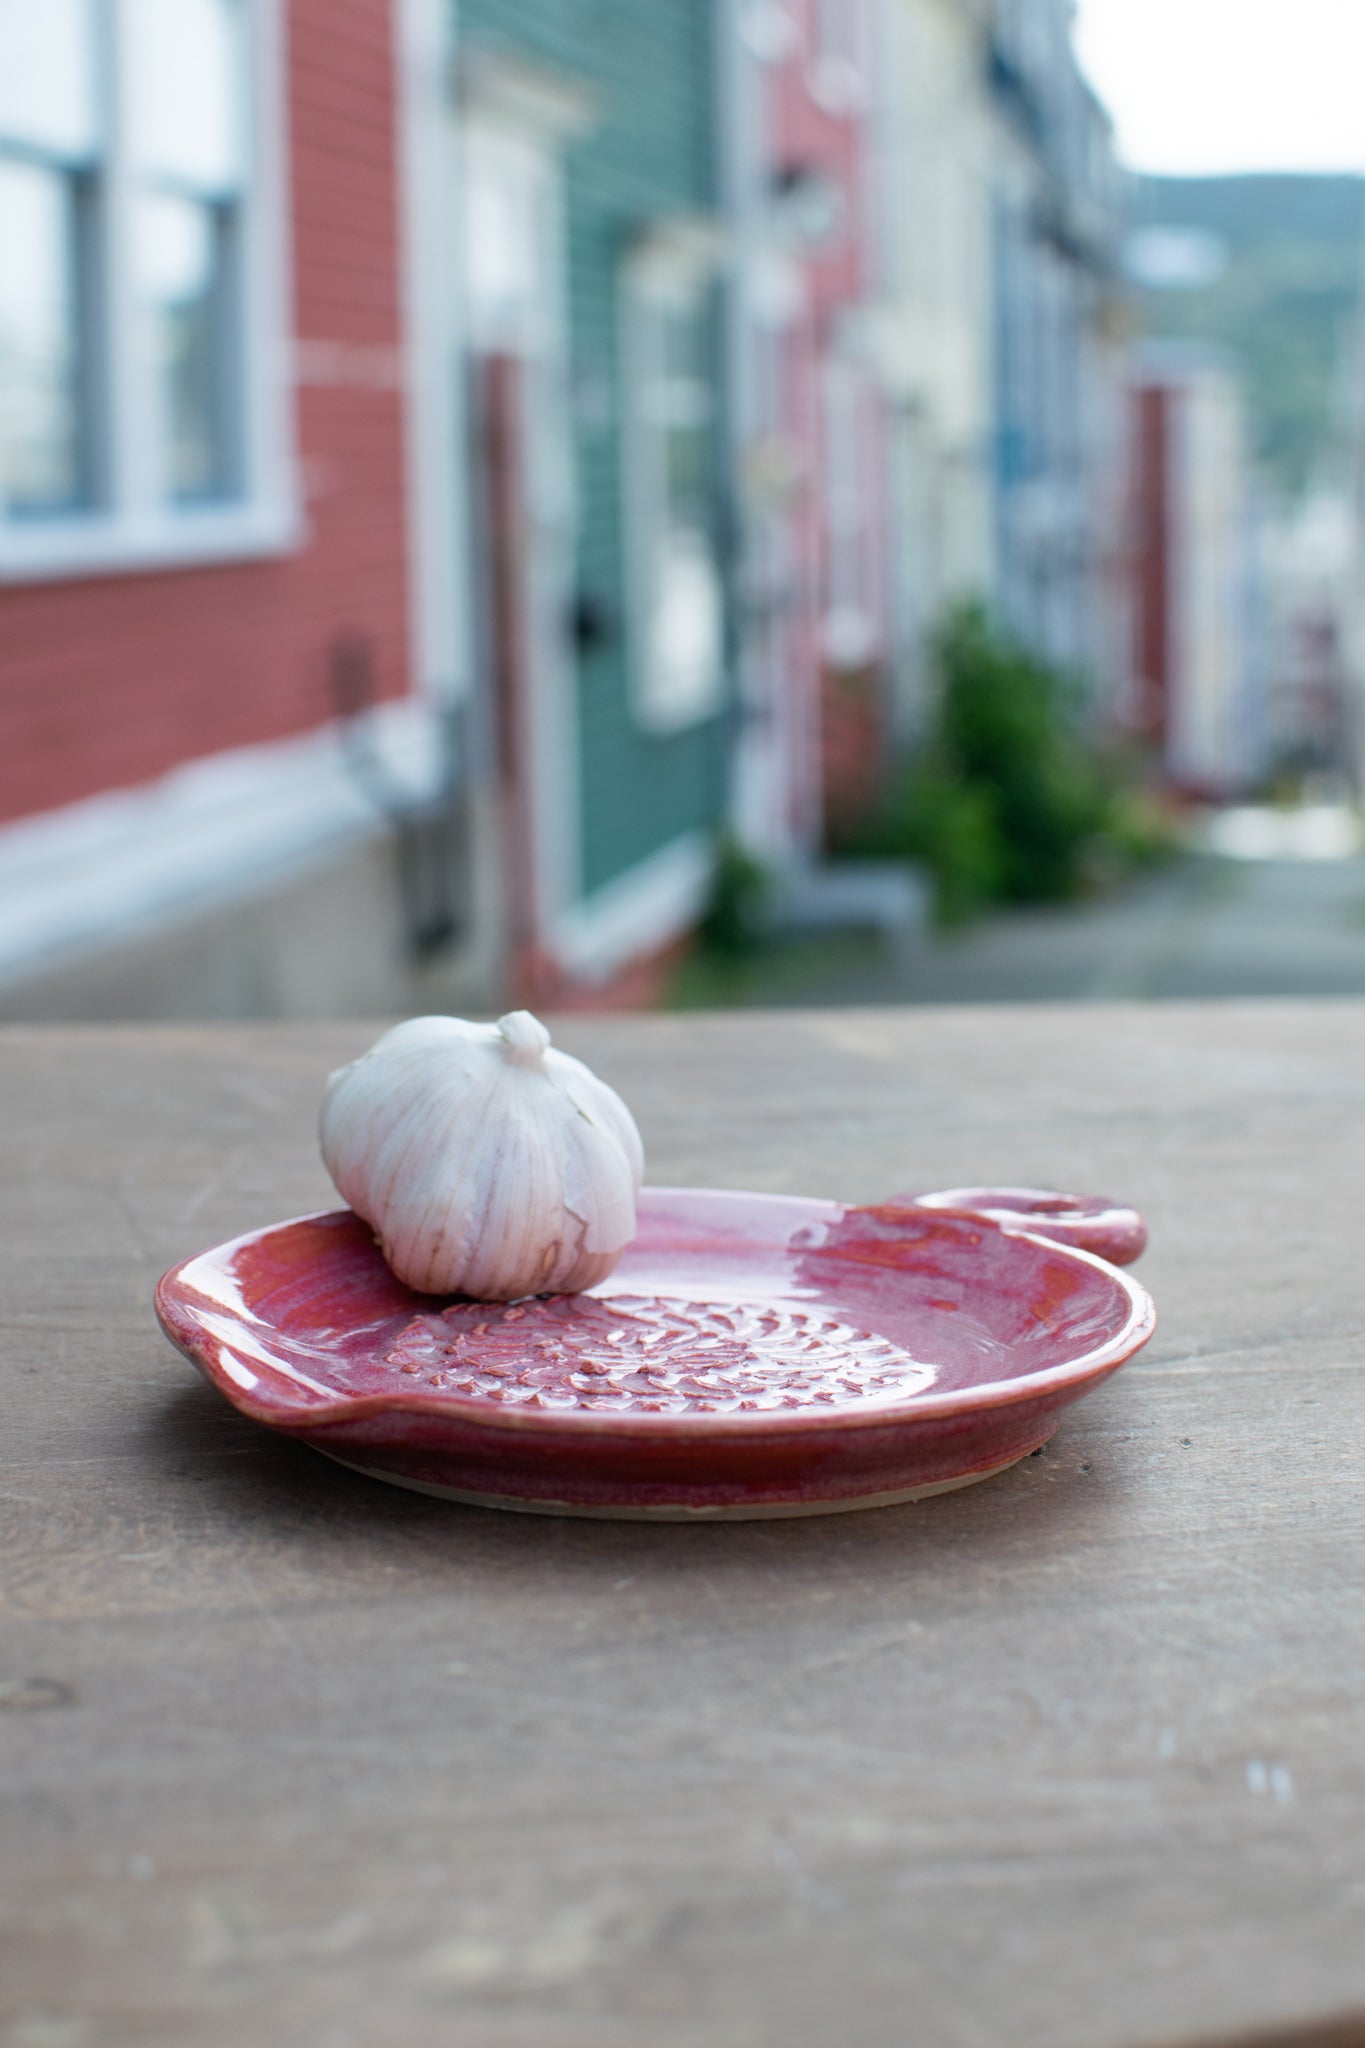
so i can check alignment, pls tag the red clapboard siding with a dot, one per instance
(111, 680)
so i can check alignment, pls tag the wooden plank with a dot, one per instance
(1071, 1758)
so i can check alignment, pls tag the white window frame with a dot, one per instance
(673, 266)
(130, 526)
(530, 116)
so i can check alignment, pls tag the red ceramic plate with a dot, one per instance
(752, 1355)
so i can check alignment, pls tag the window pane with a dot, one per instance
(40, 410)
(685, 627)
(186, 110)
(48, 75)
(679, 596)
(685, 342)
(504, 229)
(684, 410)
(181, 264)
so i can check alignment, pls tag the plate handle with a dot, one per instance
(1092, 1223)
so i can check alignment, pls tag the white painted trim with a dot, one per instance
(430, 272)
(106, 546)
(641, 911)
(540, 342)
(272, 475)
(130, 529)
(664, 269)
(124, 420)
(551, 483)
(215, 831)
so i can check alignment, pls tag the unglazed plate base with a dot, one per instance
(680, 1511)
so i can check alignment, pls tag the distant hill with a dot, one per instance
(1283, 302)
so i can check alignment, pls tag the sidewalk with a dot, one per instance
(1210, 926)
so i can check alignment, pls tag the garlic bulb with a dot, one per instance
(487, 1163)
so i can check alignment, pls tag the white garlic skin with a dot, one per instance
(487, 1163)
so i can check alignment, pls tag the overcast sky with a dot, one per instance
(1231, 85)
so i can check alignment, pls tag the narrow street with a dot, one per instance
(1211, 926)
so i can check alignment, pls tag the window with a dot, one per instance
(48, 145)
(510, 251)
(677, 605)
(142, 415)
(187, 132)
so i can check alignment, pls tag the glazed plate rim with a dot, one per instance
(178, 1311)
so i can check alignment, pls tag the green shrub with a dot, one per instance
(734, 922)
(1008, 726)
(950, 827)
(1005, 800)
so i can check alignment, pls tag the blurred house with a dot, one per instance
(1317, 578)
(1059, 399)
(1202, 624)
(1352, 492)
(936, 336)
(1311, 562)
(808, 418)
(587, 174)
(205, 424)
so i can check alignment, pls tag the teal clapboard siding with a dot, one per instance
(652, 154)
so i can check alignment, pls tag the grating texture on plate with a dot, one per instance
(654, 1354)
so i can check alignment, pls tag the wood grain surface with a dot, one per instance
(1075, 1759)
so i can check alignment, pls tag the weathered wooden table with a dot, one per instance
(1075, 1757)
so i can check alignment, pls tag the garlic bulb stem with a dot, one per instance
(525, 1038)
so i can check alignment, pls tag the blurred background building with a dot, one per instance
(462, 464)
(1203, 678)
